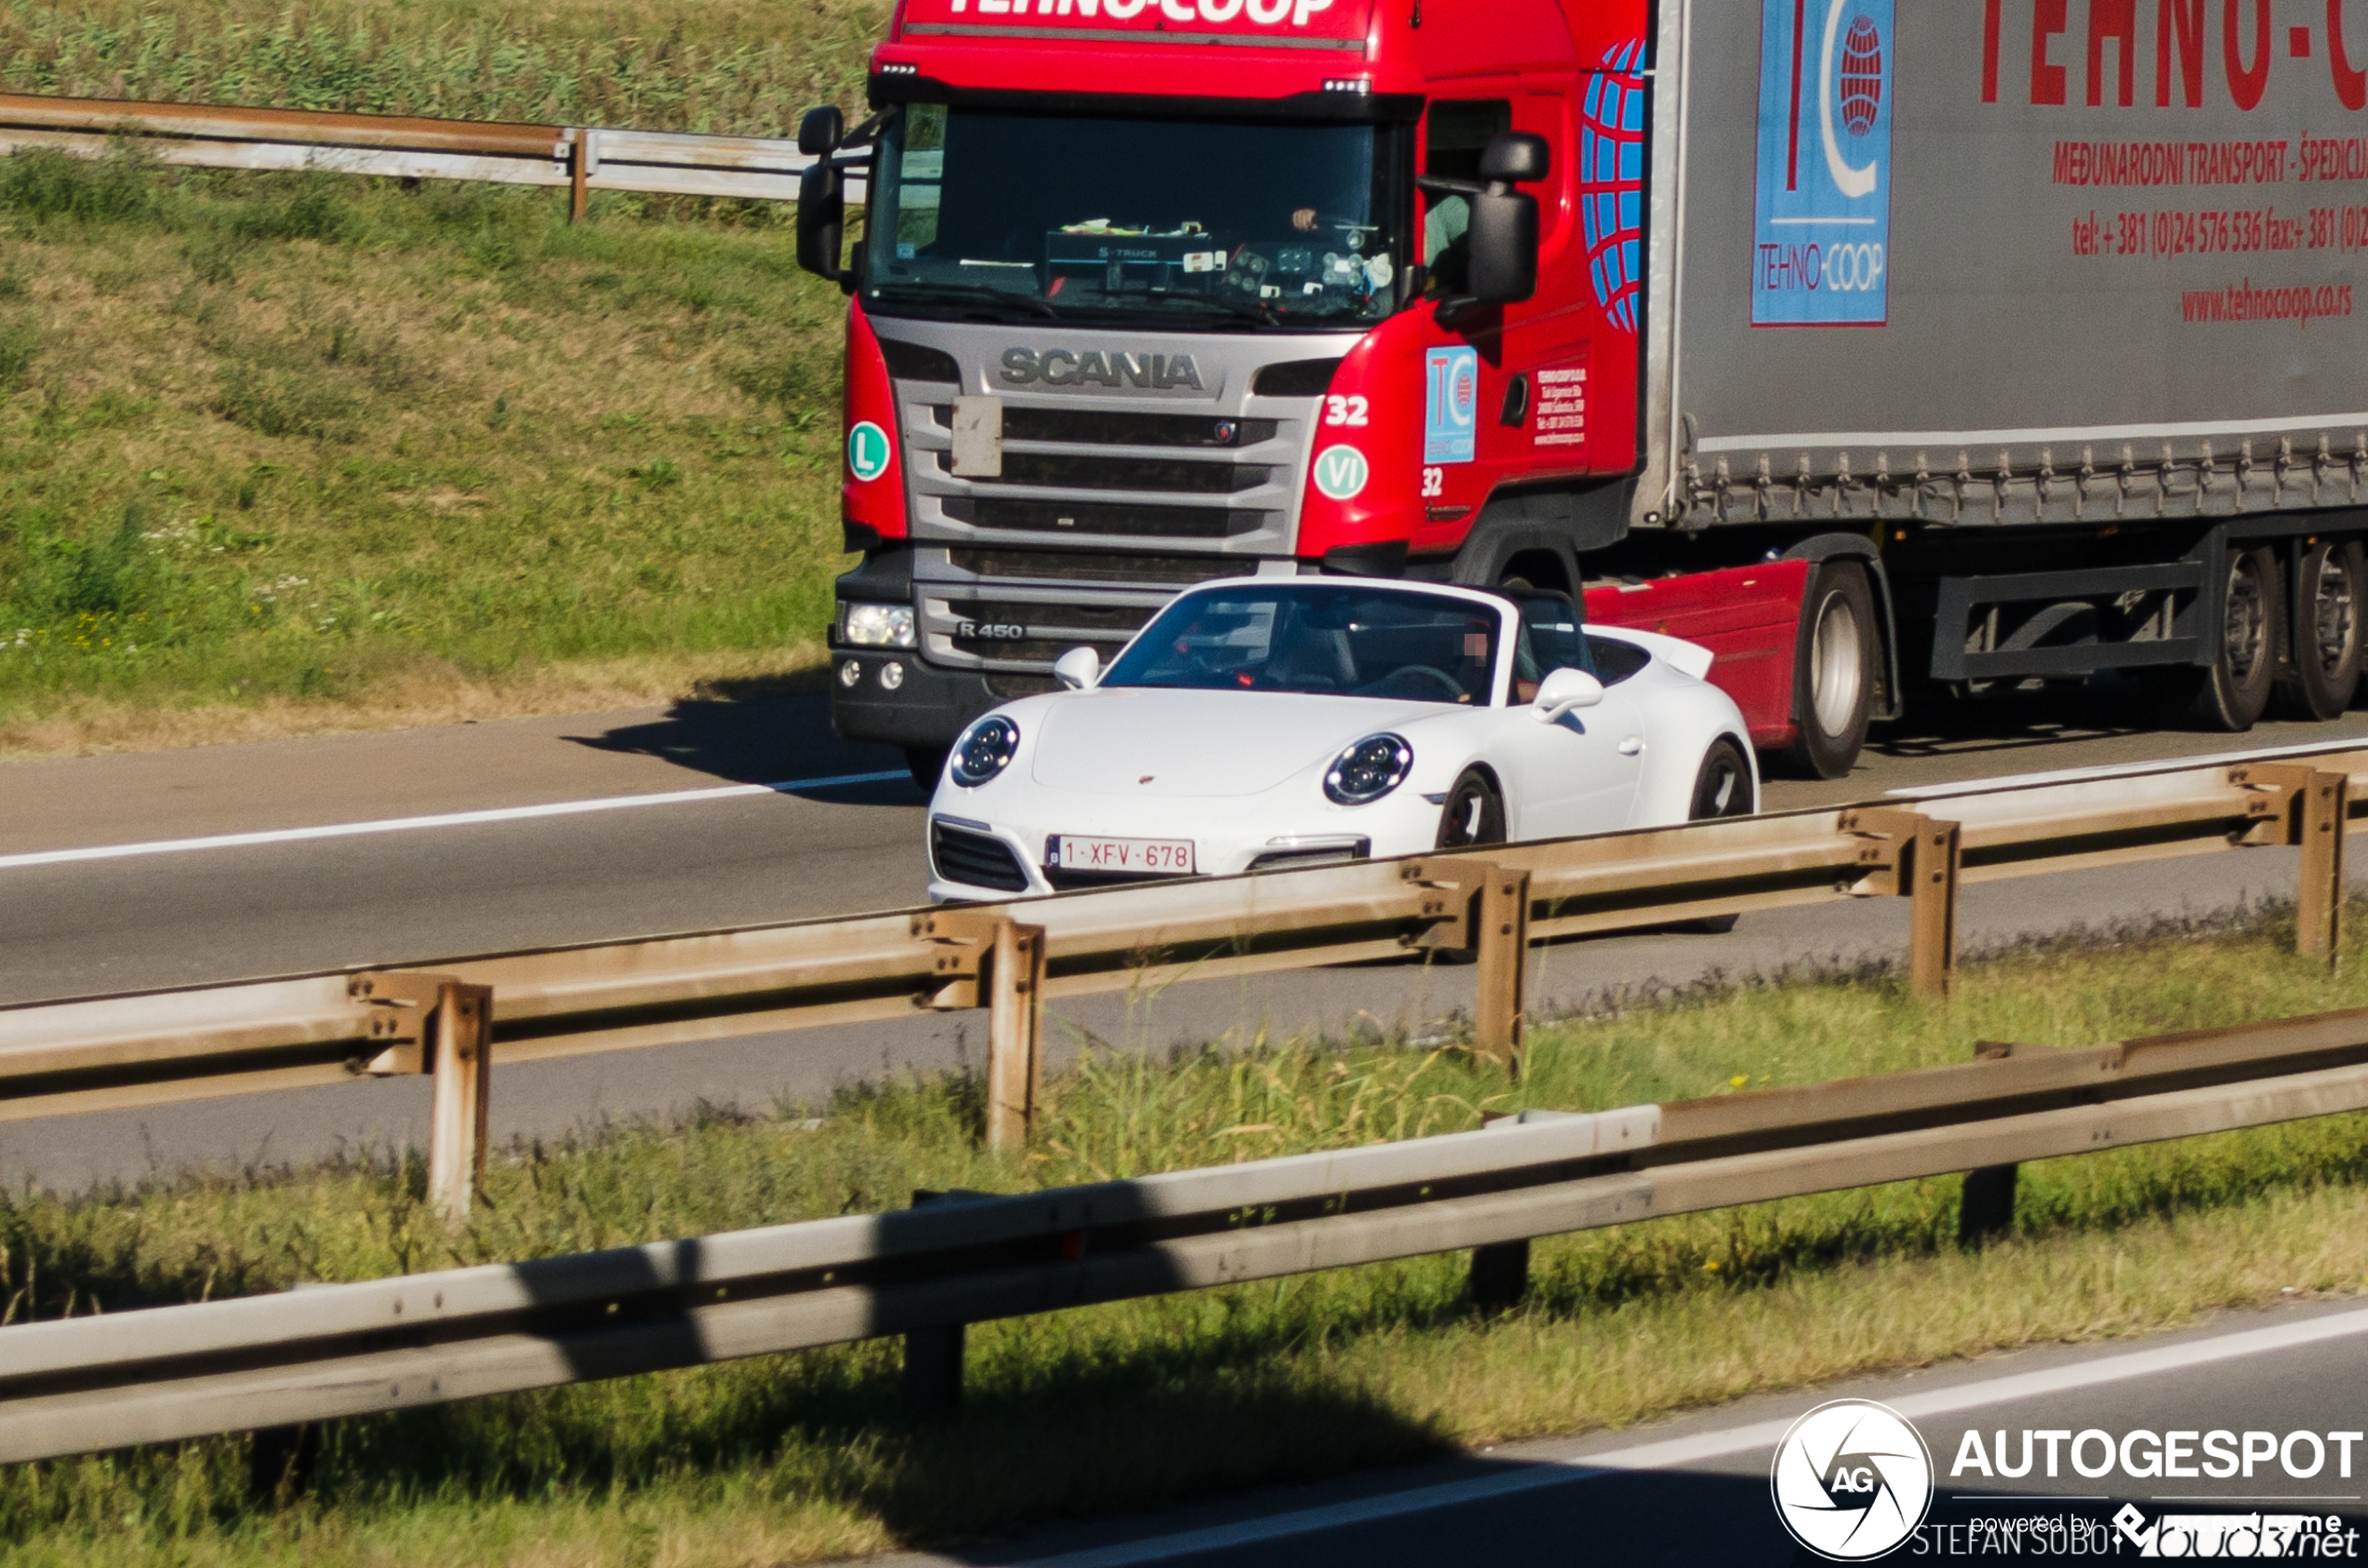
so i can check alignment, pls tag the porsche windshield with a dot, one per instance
(1196, 223)
(1359, 643)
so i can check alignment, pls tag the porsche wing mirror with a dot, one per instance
(1565, 691)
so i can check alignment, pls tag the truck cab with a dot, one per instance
(1150, 292)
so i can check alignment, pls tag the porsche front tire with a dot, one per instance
(1474, 812)
(1722, 788)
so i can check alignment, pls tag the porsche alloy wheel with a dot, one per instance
(1474, 812)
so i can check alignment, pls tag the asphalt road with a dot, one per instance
(682, 842)
(1697, 1490)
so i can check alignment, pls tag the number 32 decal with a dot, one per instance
(1434, 482)
(1345, 410)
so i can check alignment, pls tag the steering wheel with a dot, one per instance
(1449, 688)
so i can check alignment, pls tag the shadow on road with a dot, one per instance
(771, 731)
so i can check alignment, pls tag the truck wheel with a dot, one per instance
(1474, 812)
(2325, 670)
(1723, 788)
(1833, 671)
(926, 765)
(2232, 694)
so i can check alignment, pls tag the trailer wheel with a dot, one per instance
(2231, 694)
(1834, 671)
(2325, 667)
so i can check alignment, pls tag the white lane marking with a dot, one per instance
(448, 820)
(1676, 1451)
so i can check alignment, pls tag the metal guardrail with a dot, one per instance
(452, 1018)
(582, 159)
(315, 1354)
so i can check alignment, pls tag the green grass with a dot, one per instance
(788, 1458)
(323, 442)
(743, 67)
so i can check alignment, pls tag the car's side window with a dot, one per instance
(1551, 638)
(1615, 661)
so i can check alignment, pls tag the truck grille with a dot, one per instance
(977, 860)
(1097, 426)
(1082, 566)
(1044, 632)
(1166, 475)
(1090, 516)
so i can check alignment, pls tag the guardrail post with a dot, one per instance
(280, 1461)
(1933, 865)
(2313, 814)
(1500, 996)
(1481, 909)
(442, 1027)
(1015, 1002)
(1500, 1276)
(1986, 1204)
(464, 1081)
(578, 173)
(932, 1384)
(2325, 805)
(1920, 858)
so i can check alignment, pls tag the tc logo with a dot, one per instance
(867, 451)
(1851, 1480)
(1341, 473)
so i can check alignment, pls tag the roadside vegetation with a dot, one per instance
(288, 452)
(790, 1458)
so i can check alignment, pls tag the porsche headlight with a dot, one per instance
(1368, 770)
(879, 625)
(985, 750)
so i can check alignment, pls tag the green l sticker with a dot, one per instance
(867, 451)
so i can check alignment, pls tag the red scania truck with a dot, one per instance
(1872, 346)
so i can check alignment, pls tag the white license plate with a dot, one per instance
(1152, 857)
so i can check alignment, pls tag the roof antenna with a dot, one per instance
(1416, 20)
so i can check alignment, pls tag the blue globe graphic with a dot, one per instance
(1862, 83)
(1611, 181)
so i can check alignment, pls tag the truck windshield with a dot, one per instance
(1196, 223)
(1359, 643)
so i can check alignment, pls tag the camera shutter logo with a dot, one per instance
(1851, 1480)
(867, 451)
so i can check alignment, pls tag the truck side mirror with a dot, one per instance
(819, 131)
(821, 194)
(1503, 269)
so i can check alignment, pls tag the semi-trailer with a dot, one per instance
(1876, 347)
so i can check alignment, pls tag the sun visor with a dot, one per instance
(1273, 23)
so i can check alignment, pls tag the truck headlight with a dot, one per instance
(1368, 770)
(985, 750)
(879, 625)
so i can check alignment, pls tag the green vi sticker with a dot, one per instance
(1341, 473)
(867, 451)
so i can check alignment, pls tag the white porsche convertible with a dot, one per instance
(1262, 723)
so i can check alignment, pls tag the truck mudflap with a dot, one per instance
(1748, 618)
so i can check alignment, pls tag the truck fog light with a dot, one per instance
(850, 673)
(892, 675)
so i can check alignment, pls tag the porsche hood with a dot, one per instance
(1151, 744)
